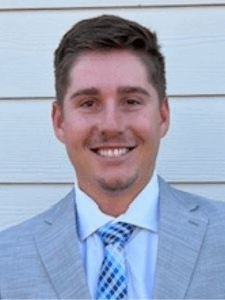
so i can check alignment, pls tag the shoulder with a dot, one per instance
(25, 231)
(21, 249)
(212, 209)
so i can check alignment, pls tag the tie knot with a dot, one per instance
(119, 232)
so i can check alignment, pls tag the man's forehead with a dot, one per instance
(114, 56)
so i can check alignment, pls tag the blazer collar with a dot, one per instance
(182, 227)
(58, 247)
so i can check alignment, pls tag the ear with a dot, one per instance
(165, 116)
(57, 121)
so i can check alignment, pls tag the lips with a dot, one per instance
(112, 152)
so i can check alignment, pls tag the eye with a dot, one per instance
(133, 101)
(88, 103)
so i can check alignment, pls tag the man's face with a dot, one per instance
(111, 122)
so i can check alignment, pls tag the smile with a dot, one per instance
(113, 152)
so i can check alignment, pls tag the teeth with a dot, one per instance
(113, 152)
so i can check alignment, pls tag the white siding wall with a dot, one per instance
(34, 170)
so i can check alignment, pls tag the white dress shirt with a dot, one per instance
(140, 250)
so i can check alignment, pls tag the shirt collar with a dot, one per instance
(143, 211)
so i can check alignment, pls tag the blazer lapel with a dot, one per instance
(58, 247)
(181, 234)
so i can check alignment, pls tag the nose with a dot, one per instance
(111, 123)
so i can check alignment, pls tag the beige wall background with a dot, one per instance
(34, 170)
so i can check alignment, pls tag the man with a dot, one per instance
(123, 232)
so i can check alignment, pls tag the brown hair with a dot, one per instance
(105, 33)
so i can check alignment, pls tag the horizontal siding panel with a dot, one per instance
(194, 148)
(192, 39)
(21, 202)
(192, 151)
(25, 4)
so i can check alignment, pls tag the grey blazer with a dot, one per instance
(40, 258)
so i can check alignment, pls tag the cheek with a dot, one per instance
(76, 130)
(148, 126)
(75, 123)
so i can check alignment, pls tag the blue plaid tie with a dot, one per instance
(112, 283)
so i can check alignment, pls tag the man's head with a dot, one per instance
(107, 33)
(111, 110)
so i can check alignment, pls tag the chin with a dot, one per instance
(117, 185)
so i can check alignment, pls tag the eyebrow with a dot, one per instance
(132, 90)
(86, 91)
(121, 90)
